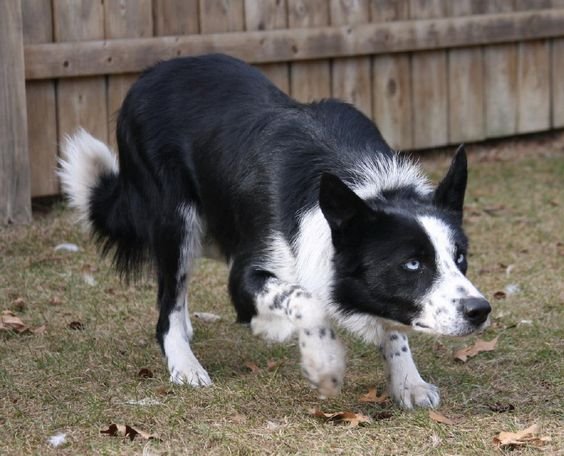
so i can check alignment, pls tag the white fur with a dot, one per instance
(441, 311)
(281, 310)
(314, 250)
(405, 384)
(387, 174)
(84, 160)
(183, 366)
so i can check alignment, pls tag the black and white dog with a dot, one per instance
(319, 220)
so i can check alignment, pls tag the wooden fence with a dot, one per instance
(429, 72)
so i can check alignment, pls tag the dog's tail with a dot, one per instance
(89, 174)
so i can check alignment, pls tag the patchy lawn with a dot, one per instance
(83, 372)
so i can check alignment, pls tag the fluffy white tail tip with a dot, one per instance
(84, 160)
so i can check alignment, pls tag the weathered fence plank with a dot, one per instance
(391, 89)
(465, 83)
(500, 79)
(429, 83)
(41, 105)
(124, 19)
(44, 61)
(351, 76)
(269, 15)
(309, 80)
(80, 101)
(533, 78)
(557, 85)
(176, 17)
(15, 201)
(219, 16)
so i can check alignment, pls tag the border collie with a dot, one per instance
(320, 221)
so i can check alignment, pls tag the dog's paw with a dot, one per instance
(323, 360)
(417, 394)
(189, 373)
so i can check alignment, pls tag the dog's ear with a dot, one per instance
(449, 194)
(339, 204)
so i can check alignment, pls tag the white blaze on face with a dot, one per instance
(441, 308)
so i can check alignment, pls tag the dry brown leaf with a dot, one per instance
(529, 436)
(124, 430)
(145, 373)
(18, 304)
(479, 346)
(252, 367)
(499, 295)
(349, 418)
(500, 407)
(76, 326)
(9, 322)
(373, 398)
(273, 365)
(39, 330)
(440, 418)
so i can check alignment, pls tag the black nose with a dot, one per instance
(476, 310)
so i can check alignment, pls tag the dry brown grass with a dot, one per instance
(77, 382)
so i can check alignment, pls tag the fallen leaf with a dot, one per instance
(39, 330)
(479, 346)
(9, 322)
(206, 316)
(501, 408)
(373, 398)
(440, 418)
(124, 430)
(145, 373)
(18, 304)
(76, 326)
(252, 367)
(529, 436)
(382, 415)
(272, 364)
(163, 391)
(350, 418)
(499, 295)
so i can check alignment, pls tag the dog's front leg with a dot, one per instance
(405, 385)
(322, 353)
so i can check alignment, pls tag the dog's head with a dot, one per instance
(403, 256)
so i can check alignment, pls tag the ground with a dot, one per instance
(78, 376)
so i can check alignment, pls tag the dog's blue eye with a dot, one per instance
(460, 258)
(412, 265)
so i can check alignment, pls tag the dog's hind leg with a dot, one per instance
(177, 244)
(404, 382)
(282, 308)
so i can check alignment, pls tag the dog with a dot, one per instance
(319, 220)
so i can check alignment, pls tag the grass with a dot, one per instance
(79, 381)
